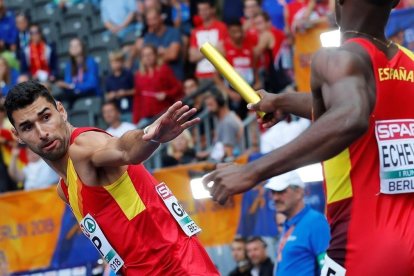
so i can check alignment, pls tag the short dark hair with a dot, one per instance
(234, 22)
(263, 14)
(257, 239)
(24, 94)
(208, 2)
(239, 239)
(113, 103)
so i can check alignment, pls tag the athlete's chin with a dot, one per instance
(54, 154)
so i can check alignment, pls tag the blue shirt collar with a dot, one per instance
(295, 219)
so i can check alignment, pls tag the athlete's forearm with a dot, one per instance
(134, 148)
(299, 104)
(337, 129)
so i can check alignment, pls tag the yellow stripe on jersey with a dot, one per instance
(75, 200)
(406, 51)
(337, 176)
(125, 195)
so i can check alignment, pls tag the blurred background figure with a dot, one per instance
(118, 17)
(306, 233)
(180, 150)
(8, 29)
(23, 33)
(256, 251)
(239, 254)
(39, 58)
(119, 85)
(8, 77)
(229, 129)
(112, 117)
(156, 88)
(36, 175)
(81, 74)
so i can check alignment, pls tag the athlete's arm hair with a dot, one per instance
(340, 78)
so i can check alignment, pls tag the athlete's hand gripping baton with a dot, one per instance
(228, 72)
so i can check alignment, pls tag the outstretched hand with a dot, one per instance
(228, 180)
(171, 124)
(268, 105)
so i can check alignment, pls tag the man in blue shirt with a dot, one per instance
(8, 30)
(166, 39)
(306, 233)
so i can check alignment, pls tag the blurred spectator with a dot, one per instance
(251, 9)
(118, 17)
(212, 31)
(112, 117)
(181, 16)
(283, 132)
(156, 88)
(8, 29)
(10, 56)
(190, 86)
(119, 85)
(256, 251)
(6, 183)
(81, 74)
(180, 150)
(8, 77)
(22, 78)
(308, 23)
(164, 7)
(35, 175)
(39, 59)
(306, 232)
(63, 4)
(239, 52)
(268, 49)
(166, 39)
(229, 129)
(238, 251)
(23, 33)
(275, 9)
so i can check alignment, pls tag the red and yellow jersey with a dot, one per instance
(370, 185)
(136, 222)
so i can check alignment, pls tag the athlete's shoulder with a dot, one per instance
(87, 142)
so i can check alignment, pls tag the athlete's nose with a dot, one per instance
(43, 134)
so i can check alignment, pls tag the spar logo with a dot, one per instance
(391, 130)
(163, 191)
(90, 225)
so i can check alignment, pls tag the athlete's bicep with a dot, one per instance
(97, 149)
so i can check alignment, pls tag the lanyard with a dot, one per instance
(283, 242)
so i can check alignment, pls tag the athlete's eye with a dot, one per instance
(46, 117)
(27, 128)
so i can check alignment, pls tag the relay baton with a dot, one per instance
(228, 72)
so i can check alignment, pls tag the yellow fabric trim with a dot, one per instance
(72, 182)
(125, 195)
(406, 51)
(337, 176)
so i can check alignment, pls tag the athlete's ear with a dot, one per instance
(62, 110)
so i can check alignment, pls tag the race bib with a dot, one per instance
(189, 227)
(396, 152)
(94, 233)
(332, 268)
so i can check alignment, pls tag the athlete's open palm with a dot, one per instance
(172, 123)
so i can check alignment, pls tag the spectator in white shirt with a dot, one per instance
(112, 116)
(35, 175)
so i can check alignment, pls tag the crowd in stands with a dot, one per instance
(140, 56)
